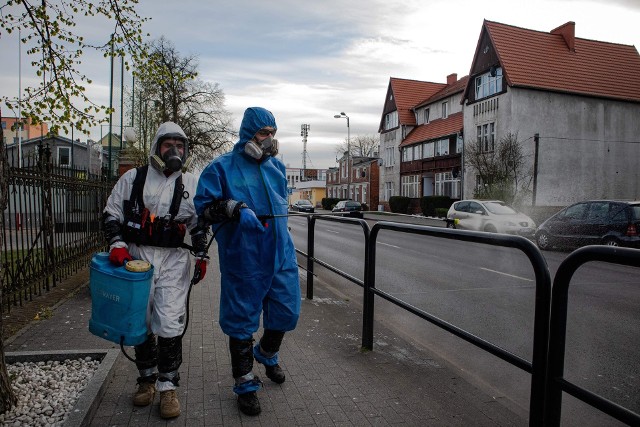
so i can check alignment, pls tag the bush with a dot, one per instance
(329, 202)
(442, 212)
(430, 204)
(399, 204)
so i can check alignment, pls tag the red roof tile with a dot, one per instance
(544, 60)
(407, 93)
(447, 91)
(435, 129)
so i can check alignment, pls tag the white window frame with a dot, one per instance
(428, 150)
(447, 185)
(389, 157)
(426, 115)
(388, 190)
(442, 147)
(445, 110)
(487, 85)
(409, 186)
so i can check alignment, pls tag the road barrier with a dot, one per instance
(547, 364)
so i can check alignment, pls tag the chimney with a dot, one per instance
(568, 33)
(452, 78)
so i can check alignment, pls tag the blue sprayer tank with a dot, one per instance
(119, 301)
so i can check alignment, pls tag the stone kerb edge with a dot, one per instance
(87, 404)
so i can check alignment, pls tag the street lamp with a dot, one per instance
(344, 116)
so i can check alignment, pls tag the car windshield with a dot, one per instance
(636, 212)
(500, 208)
(352, 204)
(304, 202)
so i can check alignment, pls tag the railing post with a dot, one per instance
(369, 283)
(311, 223)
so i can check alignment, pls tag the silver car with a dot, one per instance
(492, 216)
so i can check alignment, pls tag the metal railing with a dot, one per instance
(50, 227)
(556, 383)
(547, 364)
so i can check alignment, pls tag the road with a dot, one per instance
(489, 291)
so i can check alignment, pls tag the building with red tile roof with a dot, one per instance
(573, 103)
(397, 121)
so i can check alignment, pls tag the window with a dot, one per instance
(389, 157)
(426, 115)
(487, 85)
(410, 185)
(447, 185)
(444, 110)
(442, 147)
(388, 190)
(391, 120)
(417, 152)
(427, 150)
(64, 156)
(4, 125)
(459, 144)
(407, 154)
(486, 138)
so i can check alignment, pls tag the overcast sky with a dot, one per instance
(307, 61)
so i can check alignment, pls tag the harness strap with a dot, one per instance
(138, 187)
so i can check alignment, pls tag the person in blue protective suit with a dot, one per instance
(146, 217)
(237, 192)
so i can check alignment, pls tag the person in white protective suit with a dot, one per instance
(147, 215)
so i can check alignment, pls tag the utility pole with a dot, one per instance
(536, 140)
(304, 132)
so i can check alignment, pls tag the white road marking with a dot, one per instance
(506, 274)
(387, 244)
(332, 231)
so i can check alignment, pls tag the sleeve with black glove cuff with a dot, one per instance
(222, 210)
(111, 228)
(199, 243)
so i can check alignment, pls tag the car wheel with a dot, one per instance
(451, 224)
(543, 240)
(490, 229)
(611, 241)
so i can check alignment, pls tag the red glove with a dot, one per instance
(118, 256)
(200, 270)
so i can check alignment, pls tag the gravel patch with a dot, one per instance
(47, 390)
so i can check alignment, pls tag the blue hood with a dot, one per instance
(254, 119)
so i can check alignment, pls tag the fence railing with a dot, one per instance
(546, 366)
(50, 227)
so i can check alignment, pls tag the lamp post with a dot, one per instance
(342, 115)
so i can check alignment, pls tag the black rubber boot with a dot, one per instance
(249, 404)
(269, 346)
(246, 384)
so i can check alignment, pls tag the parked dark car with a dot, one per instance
(302, 206)
(354, 208)
(592, 222)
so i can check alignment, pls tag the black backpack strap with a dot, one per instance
(178, 191)
(138, 187)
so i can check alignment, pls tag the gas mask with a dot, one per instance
(261, 150)
(171, 160)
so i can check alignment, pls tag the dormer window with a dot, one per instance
(489, 83)
(426, 115)
(445, 110)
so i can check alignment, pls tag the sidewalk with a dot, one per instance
(330, 381)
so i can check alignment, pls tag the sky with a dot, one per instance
(308, 61)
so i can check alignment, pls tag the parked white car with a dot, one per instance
(492, 216)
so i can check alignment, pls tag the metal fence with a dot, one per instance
(50, 227)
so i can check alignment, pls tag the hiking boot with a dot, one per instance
(169, 405)
(248, 403)
(145, 394)
(275, 373)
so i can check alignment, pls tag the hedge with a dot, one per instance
(399, 204)
(430, 204)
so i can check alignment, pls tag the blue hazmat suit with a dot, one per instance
(259, 272)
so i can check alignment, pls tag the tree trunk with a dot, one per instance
(7, 397)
